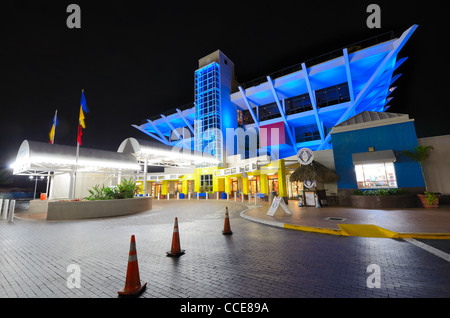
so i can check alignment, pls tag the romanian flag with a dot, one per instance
(52, 131)
(81, 124)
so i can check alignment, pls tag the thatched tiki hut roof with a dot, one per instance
(314, 171)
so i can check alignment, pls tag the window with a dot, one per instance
(376, 175)
(307, 133)
(208, 110)
(206, 182)
(332, 95)
(269, 111)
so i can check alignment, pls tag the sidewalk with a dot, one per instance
(402, 223)
(335, 220)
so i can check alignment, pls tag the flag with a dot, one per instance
(81, 123)
(80, 133)
(53, 129)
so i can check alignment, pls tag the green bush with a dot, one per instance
(381, 192)
(127, 189)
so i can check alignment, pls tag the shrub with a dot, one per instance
(127, 189)
(381, 192)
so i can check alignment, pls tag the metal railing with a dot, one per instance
(170, 112)
(322, 58)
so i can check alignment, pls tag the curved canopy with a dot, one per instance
(36, 156)
(159, 154)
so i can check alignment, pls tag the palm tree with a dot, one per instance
(419, 154)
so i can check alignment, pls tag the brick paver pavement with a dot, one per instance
(257, 261)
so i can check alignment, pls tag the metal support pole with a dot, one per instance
(12, 207)
(35, 186)
(145, 175)
(5, 209)
(1, 204)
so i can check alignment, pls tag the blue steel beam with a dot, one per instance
(159, 132)
(150, 134)
(399, 62)
(398, 45)
(250, 109)
(180, 138)
(349, 76)
(186, 121)
(280, 108)
(312, 97)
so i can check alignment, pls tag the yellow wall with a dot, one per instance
(184, 186)
(263, 183)
(245, 185)
(282, 187)
(164, 187)
(207, 170)
(227, 184)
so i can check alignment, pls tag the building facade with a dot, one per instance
(254, 130)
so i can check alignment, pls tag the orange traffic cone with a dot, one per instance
(226, 227)
(175, 250)
(133, 284)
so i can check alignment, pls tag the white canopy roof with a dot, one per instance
(163, 155)
(38, 158)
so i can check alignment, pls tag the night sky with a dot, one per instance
(137, 59)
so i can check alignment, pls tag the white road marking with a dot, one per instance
(430, 249)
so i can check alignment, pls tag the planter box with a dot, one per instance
(425, 204)
(384, 202)
(73, 210)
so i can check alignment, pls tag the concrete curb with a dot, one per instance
(358, 230)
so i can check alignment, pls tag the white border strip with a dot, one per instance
(430, 249)
(267, 222)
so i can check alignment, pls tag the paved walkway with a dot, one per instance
(257, 261)
(401, 223)
(404, 223)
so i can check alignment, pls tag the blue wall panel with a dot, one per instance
(398, 137)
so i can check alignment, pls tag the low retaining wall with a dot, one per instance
(73, 210)
(384, 202)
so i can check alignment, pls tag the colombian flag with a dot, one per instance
(81, 123)
(52, 131)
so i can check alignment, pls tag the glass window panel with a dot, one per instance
(377, 175)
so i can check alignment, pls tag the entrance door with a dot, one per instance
(191, 186)
(155, 190)
(234, 187)
(273, 185)
(253, 187)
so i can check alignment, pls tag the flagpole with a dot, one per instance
(76, 168)
(53, 141)
(81, 125)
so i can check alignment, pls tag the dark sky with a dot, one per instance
(137, 59)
